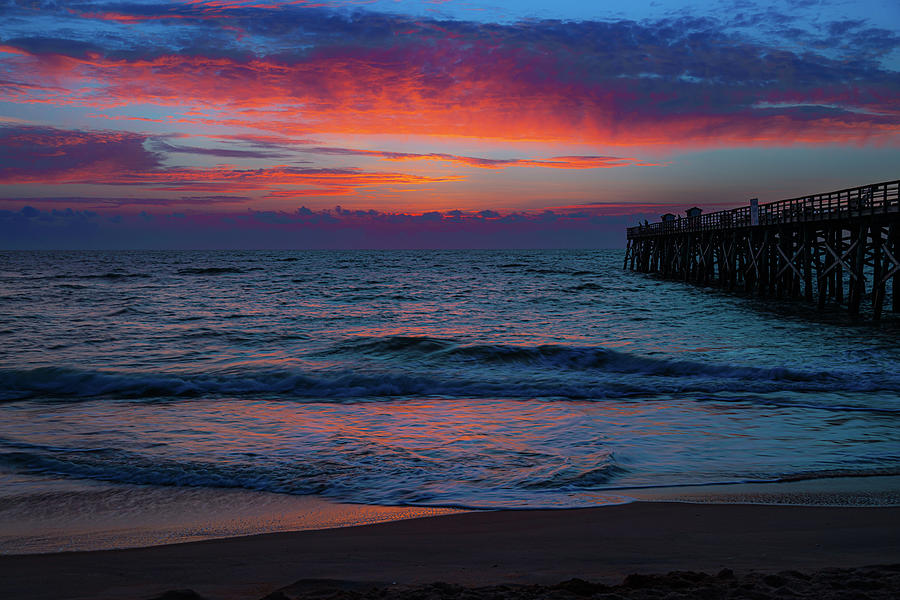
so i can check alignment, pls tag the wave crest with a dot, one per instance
(439, 351)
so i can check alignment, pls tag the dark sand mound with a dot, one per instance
(865, 583)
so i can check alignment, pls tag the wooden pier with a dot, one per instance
(834, 248)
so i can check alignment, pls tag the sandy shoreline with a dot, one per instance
(66, 516)
(522, 547)
(39, 516)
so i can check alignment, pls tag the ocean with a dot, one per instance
(463, 379)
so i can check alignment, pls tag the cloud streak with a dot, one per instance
(556, 162)
(40, 155)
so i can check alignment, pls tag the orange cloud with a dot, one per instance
(233, 179)
(393, 90)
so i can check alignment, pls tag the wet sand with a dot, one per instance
(480, 549)
(39, 517)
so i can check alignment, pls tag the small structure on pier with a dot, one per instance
(836, 247)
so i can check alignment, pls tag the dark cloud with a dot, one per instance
(29, 153)
(840, 28)
(105, 202)
(36, 228)
(54, 45)
(667, 47)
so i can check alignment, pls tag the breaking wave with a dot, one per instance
(422, 366)
(342, 472)
(599, 359)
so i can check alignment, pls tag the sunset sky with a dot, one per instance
(431, 123)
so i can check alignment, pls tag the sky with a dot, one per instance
(428, 123)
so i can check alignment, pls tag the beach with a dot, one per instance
(602, 545)
(235, 422)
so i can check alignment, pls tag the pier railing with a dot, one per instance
(873, 199)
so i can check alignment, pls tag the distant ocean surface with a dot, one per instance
(481, 379)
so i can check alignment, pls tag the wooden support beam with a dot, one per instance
(796, 247)
(783, 249)
(878, 283)
(821, 278)
(858, 286)
(775, 286)
(807, 263)
(765, 253)
(839, 267)
(894, 244)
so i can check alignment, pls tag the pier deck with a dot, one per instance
(836, 247)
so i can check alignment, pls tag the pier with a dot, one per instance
(837, 248)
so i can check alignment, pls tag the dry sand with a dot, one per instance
(483, 549)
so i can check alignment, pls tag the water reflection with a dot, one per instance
(519, 378)
(440, 452)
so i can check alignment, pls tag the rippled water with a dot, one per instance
(454, 378)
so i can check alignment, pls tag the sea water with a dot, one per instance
(475, 379)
